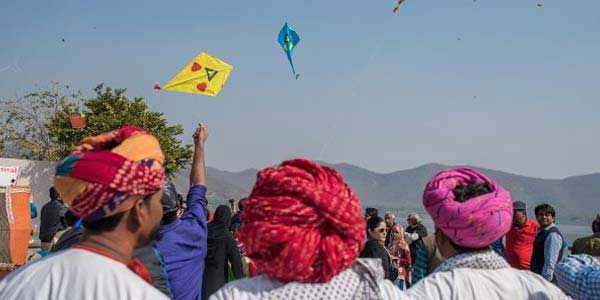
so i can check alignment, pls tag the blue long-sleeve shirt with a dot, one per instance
(552, 247)
(579, 276)
(182, 245)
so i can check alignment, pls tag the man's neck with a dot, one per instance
(112, 243)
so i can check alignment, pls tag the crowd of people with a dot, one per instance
(115, 229)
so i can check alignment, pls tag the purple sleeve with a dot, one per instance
(196, 206)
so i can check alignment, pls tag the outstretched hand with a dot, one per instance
(198, 171)
(200, 135)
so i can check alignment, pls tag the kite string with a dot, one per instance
(353, 94)
(15, 67)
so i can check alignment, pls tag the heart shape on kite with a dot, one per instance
(196, 67)
(201, 86)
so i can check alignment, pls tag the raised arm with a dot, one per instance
(198, 172)
(196, 198)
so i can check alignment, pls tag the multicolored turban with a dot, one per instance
(105, 170)
(302, 223)
(475, 223)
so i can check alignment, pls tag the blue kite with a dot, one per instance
(288, 39)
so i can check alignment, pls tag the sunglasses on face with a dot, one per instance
(381, 230)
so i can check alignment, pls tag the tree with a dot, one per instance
(25, 132)
(107, 111)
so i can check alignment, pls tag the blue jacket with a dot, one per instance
(182, 245)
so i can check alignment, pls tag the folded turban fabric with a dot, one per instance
(302, 223)
(105, 170)
(475, 223)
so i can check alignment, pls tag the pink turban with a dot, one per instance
(475, 223)
(302, 223)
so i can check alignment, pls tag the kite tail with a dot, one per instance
(289, 56)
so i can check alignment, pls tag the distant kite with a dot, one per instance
(397, 7)
(288, 39)
(77, 121)
(204, 75)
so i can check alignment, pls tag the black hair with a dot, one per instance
(241, 204)
(596, 226)
(106, 224)
(373, 222)
(463, 193)
(371, 212)
(69, 219)
(545, 208)
(222, 215)
(110, 223)
(168, 218)
(53, 194)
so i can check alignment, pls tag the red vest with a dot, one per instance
(519, 245)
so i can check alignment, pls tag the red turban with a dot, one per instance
(302, 223)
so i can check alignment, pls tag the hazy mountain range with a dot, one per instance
(577, 198)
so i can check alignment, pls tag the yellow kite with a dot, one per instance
(204, 75)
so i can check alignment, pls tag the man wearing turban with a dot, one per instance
(303, 227)
(113, 182)
(471, 212)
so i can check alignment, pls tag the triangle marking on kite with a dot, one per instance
(210, 73)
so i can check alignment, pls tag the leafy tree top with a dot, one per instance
(38, 123)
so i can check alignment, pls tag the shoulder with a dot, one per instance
(484, 284)
(246, 289)
(79, 272)
(373, 247)
(581, 242)
(389, 291)
(554, 236)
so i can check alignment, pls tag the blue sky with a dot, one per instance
(498, 84)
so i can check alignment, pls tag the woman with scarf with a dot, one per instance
(471, 212)
(222, 252)
(374, 248)
(401, 258)
(304, 229)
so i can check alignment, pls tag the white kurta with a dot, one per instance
(76, 274)
(477, 284)
(340, 287)
(458, 284)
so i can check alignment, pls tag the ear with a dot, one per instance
(138, 213)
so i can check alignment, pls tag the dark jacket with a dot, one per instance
(222, 250)
(373, 249)
(52, 213)
(236, 222)
(538, 257)
(414, 246)
(71, 237)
